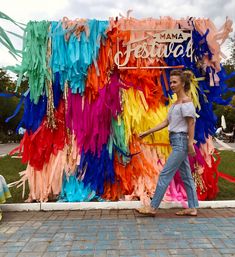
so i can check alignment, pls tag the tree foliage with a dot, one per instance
(228, 111)
(8, 105)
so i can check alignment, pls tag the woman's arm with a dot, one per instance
(191, 128)
(160, 126)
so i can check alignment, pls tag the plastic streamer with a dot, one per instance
(34, 58)
(91, 122)
(79, 50)
(96, 170)
(18, 107)
(74, 190)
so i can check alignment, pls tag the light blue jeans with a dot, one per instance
(178, 160)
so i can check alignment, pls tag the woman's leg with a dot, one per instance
(186, 175)
(172, 165)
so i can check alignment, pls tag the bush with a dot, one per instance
(12, 138)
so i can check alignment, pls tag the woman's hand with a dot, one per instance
(191, 150)
(143, 134)
(160, 126)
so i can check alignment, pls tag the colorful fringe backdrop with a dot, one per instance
(83, 115)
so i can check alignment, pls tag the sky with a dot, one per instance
(26, 10)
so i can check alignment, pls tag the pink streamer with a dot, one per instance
(91, 121)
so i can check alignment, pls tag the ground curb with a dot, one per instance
(105, 205)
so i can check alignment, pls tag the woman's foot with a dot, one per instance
(187, 212)
(148, 210)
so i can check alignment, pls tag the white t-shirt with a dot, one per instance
(177, 116)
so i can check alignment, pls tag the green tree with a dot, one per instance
(228, 111)
(231, 45)
(8, 106)
(7, 85)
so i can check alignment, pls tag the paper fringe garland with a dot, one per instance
(83, 115)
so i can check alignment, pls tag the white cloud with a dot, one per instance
(25, 10)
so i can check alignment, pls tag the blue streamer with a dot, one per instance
(97, 170)
(206, 123)
(123, 153)
(56, 89)
(18, 106)
(33, 113)
(74, 190)
(59, 59)
(73, 58)
(7, 95)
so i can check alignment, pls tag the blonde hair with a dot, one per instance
(185, 76)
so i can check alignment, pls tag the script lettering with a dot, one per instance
(156, 46)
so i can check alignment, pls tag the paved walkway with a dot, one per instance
(6, 148)
(220, 145)
(114, 233)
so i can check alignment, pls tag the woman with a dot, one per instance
(181, 121)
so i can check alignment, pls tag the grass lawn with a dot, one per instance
(10, 168)
(227, 166)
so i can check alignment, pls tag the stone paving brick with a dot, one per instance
(80, 253)
(84, 237)
(4, 237)
(60, 246)
(11, 255)
(106, 245)
(115, 233)
(112, 252)
(181, 252)
(55, 254)
(200, 246)
(162, 253)
(30, 254)
(46, 237)
(185, 255)
(129, 252)
(11, 249)
(207, 253)
(101, 253)
(217, 242)
(35, 246)
(227, 250)
(12, 230)
(19, 237)
(83, 245)
(229, 243)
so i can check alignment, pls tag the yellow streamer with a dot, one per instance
(137, 119)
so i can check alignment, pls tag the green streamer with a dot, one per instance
(117, 137)
(5, 40)
(34, 58)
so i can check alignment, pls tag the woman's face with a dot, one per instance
(176, 84)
